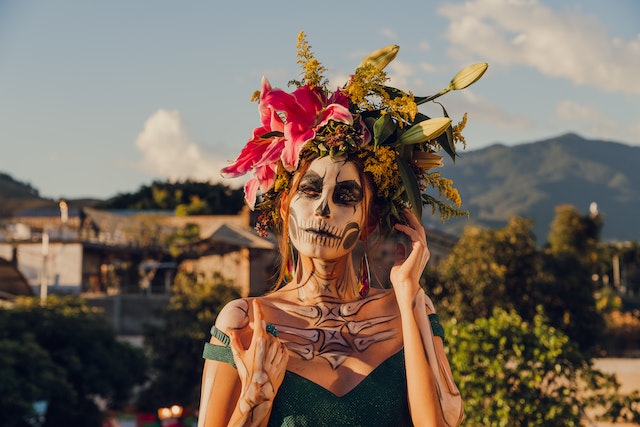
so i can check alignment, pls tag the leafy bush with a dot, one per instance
(66, 354)
(517, 373)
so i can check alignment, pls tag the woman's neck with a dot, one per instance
(320, 280)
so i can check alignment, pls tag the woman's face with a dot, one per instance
(326, 213)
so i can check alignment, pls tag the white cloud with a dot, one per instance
(589, 118)
(424, 46)
(388, 33)
(168, 151)
(427, 68)
(337, 80)
(484, 110)
(557, 43)
(400, 73)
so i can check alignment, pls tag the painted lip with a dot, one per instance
(319, 232)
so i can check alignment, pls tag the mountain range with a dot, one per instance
(500, 181)
(530, 180)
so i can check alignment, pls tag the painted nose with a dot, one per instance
(323, 208)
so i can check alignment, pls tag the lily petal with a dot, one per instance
(335, 112)
(266, 176)
(296, 138)
(251, 192)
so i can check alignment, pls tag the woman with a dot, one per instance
(324, 349)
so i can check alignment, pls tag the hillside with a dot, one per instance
(531, 179)
(16, 196)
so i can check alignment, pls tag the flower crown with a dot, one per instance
(365, 119)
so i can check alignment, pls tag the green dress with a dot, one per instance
(380, 400)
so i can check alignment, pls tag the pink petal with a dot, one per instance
(296, 138)
(266, 175)
(339, 97)
(252, 152)
(366, 135)
(335, 112)
(309, 100)
(272, 153)
(281, 101)
(265, 88)
(270, 120)
(250, 192)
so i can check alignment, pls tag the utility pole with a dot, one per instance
(43, 272)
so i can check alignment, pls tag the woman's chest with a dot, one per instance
(328, 340)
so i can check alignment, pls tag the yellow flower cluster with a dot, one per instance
(457, 131)
(444, 186)
(403, 108)
(367, 80)
(312, 68)
(283, 178)
(382, 165)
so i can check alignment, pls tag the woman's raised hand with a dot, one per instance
(261, 368)
(407, 269)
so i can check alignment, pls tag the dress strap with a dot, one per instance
(437, 328)
(220, 336)
(221, 353)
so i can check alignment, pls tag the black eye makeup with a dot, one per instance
(310, 185)
(347, 193)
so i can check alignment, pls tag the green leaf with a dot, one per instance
(420, 117)
(271, 134)
(406, 152)
(446, 139)
(383, 129)
(411, 185)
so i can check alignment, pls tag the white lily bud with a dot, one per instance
(468, 76)
(382, 57)
(425, 130)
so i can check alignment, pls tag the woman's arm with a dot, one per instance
(243, 397)
(219, 393)
(424, 403)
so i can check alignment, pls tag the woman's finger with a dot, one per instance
(259, 325)
(413, 220)
(412, 233)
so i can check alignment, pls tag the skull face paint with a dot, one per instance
(326, 213)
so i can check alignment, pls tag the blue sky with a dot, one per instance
(99, 98)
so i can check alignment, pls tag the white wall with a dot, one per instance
(63, 264)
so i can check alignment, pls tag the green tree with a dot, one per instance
(176, 346)
(504, 268)
(570, 260)
(571, 232)
(186, 197)
(517, 373)
(491, 268)
(66, 354)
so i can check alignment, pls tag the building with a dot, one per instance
(101, 252)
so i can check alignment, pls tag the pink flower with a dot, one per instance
(288, 122)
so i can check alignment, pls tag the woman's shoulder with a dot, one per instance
(234, 315)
